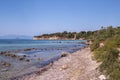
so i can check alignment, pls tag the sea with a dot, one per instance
(38, 53)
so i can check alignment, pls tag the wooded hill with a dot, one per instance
(108, 31)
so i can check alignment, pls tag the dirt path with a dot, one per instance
(77, 66)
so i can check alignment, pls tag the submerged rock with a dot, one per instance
(39, 58)
(6, 64)
(24, 56)
(28, 60)
(27, 49)
(3, 53)
(13, 55)
(21, 59)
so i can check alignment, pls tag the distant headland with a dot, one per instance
(62, 36)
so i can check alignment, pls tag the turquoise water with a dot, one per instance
(40, 53)
(15, 44)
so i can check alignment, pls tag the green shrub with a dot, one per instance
(99, 55)
(95, 45)
(110, 66)
(115, 74)
(108, 54)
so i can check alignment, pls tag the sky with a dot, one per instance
(36, 17)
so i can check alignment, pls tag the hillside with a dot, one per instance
(105, 47)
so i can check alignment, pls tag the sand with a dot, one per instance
(76, 66)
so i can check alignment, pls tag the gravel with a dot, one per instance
(76, 66)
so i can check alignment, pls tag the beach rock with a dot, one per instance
(35, 55)
(45, 48)
(3, 70)
(24, 55)
(3, 53)
(102, 77)
(21, 59)
(8, 54)
(27, 49)
(39, 58)
(2, 63)
(64, 67)
(28, 60)
(6, 64)
(64, 54)
(13, 55)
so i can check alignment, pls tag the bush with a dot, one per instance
(108, 54)
(95, 45)
(115, 74)
(99, 55)
(110, 65)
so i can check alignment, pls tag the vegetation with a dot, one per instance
(69, 35)
(95, 45)
(108, 54)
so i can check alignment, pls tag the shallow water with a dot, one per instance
(39, 53)
(15, 44)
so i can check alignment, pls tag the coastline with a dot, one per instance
(76, 66)
(15, 64)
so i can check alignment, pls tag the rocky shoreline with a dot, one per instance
(76, 66)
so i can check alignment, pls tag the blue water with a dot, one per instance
(44, 52)
(15, 44)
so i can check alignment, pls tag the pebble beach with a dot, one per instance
(76, 66)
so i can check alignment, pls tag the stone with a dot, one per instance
(21, 59)
(64, 54)
(101, 44)
(102, 77)
(24, 55)
(13, 55)
(3, 70)
(64, 67)
(6, 64)
(28, 60)
(39, 58)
